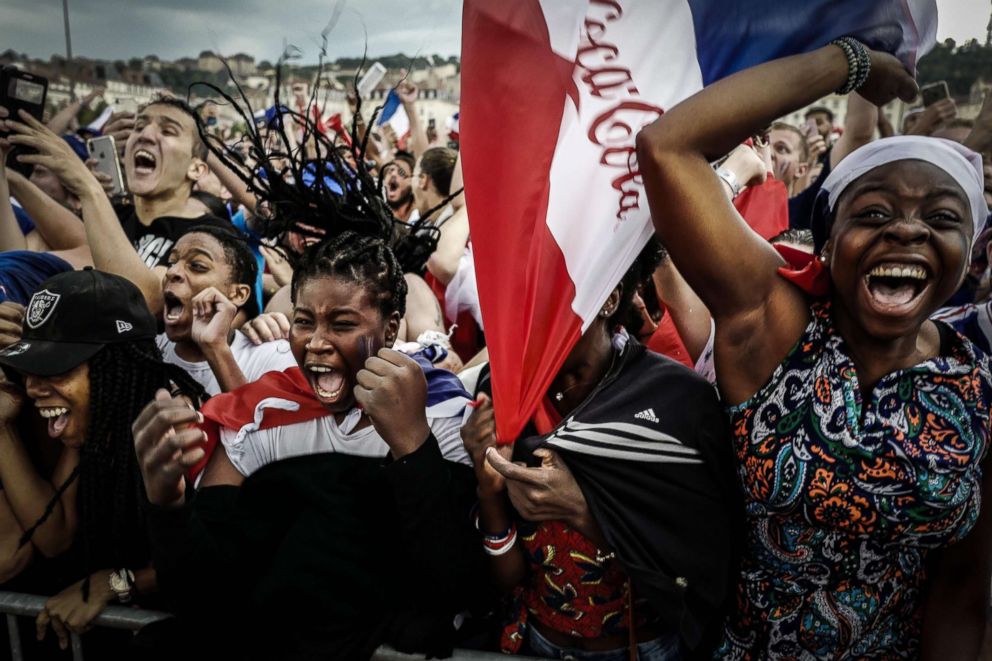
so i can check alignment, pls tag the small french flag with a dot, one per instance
(394, 114)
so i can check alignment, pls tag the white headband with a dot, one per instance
(961, 163)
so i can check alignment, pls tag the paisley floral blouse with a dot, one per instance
(847, 495)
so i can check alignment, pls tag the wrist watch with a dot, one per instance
(122, 584)
(731, 179)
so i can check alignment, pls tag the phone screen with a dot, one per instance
(934, 92)
(28, 92)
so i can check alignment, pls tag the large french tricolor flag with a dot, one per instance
(553, 95)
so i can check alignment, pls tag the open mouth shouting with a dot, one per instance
(144, 162)
(175, 307)
(327, 382)
(894, 288)
(57, 417)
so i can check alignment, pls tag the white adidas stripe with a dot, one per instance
(667, 446)
(620, 454)
(637, 430)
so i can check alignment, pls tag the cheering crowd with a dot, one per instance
(254, 390)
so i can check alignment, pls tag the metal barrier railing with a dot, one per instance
(17, 604)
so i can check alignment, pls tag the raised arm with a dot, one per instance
(407, 92)
(59, 123)
(980, 138)
(443, 262)
(59, 227)
(11, 237)
(690, 316)
(859, 128)
(112, 251)
(737, 280)
(232, 182)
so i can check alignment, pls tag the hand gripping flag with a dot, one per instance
(553, 95)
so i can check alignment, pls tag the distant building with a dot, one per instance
(151, 63)
(208, 61)
(242, 65)
(185, 64)
(837, 104)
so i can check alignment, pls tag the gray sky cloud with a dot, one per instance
(113, 29)
(119, 29)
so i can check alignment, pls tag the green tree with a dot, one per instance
(960, 66)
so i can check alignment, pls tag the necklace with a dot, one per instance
(560, 395)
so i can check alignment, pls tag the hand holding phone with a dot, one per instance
(934, 92)
(20, 90)
(103, 150)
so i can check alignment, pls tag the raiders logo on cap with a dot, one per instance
(40, 308)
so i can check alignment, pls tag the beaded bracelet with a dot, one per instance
(858, 63)
(497, 547)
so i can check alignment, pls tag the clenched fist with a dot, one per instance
(393, 391)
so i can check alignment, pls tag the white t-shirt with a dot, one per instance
(254, 361)
(250, 448)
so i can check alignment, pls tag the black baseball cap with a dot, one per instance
(72, 316)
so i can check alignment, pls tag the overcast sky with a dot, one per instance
(121, 29)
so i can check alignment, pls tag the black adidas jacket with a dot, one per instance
(651, 450)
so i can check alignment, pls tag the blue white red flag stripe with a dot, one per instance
(553, 95)
(394, 114)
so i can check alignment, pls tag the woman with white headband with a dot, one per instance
(858, 423)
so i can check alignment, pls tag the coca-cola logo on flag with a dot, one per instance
(615, 128)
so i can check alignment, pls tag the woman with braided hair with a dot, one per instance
(340, 486)
(87, 375)
(308, 185)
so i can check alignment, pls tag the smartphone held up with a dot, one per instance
(20, 90)
(934, 92)
(103, 150)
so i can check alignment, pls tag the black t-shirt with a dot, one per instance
(154, 242)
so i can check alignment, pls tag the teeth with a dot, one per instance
(327, 395)
(915, 272)
(146, 158)
(321, 369)
(52, 412)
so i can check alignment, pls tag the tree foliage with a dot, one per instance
(960, 66)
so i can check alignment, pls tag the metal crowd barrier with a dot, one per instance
(16, 604)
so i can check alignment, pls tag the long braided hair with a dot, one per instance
(366, 260)
(313, 190)
(123, 379)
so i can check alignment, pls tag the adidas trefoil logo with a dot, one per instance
(647, 414)
(123, 327)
